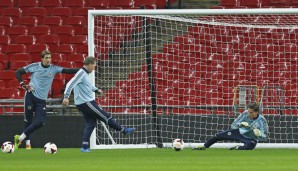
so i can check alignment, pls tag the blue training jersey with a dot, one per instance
(83, 87)
(259, 123)
(41, 78)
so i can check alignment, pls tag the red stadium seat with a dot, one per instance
(4, 40)
(75, 4)
(68, 64)
(11, 93)
(28, 21)
(53, 22)
(35, 51)
(82, 49)
(13, 84)
(7, 75)
(66, 49)
(79, 39)
(2, 84)
(15, 31)
(2, 67)
(294, 3)
(50, 4)
(123, 4)
(150, 4)
(14, 13)
(229, 3)
(52, 40)
(38, 12)
(77, 58)
(4, 60)
(78, 22)
(7, 3)
(15, 48)
(39, 31)
(25, 39)
(2, 30)
(26, 4)
(57, 58)
(82, 11)
(250, 3)
(98, 4)
(6, 22)
(15, 65)
(65, 32)
(280, 3)
(57, 88)
(63, 12)
(21, 57)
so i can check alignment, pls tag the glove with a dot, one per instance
(99, 91)
(257, 132)
(26, 87)
(243, 124)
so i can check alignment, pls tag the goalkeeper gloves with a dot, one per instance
(26, 87)
(244, 124)
(257, 132)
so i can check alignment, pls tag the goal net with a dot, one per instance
(189, 73)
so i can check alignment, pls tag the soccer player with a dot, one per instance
(42, 75)
(249, 128)
(85, 103)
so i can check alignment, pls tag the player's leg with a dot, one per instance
(92, 109)
(38, 122)
(29, 108)
(226, 135)
(89, 127)
(249, 144)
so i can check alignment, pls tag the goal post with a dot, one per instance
(189, 73)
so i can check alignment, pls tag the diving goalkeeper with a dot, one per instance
(249, 128)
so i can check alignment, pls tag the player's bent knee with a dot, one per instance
(251, 145)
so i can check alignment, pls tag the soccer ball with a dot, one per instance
(7, 147)
(178, 144)
(50, 148)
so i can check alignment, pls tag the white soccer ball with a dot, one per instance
(178, 144)
(7, 147)
(50, 148)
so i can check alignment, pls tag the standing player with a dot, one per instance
(249, 128)
(83, 98)
(42, 75)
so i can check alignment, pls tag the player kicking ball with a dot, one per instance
(249, 128)
(85, 103)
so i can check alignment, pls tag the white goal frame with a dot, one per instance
(92, 13)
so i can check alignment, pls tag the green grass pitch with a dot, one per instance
(71, 159)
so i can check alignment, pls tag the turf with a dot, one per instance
(70, 159)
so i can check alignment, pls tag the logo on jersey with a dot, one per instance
(50, 74)
(29, 107)
(229, 133)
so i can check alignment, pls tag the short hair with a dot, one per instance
(89, 60)
(44, 53)
(254, 106)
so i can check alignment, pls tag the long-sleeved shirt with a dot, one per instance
(259, 123)
(41, 78)
(83, 87)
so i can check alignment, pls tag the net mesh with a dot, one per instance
(204, 71)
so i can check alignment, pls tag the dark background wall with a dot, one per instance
(65, 131)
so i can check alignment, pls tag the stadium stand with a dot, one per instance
(26, 4)
(29, 26)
